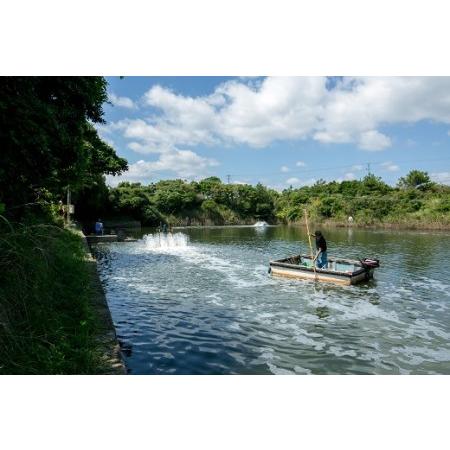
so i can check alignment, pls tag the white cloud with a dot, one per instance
(277, 109)
(389, 166)
(294, 181)
(123, 102)
(441, 177)
(277, 187)
(349, 176)
(300, 164)
(236, 112)
(259, 112)
(184, 163)
(284, 169)
(448, 132)
(357, 167)
(144, 149)
(373, 140)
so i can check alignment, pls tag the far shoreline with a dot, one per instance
(330, 224)
(394, 226)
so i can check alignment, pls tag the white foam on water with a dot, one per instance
(351, 309)
(279, 370)
(214, 299)
(261, 223)
(162, 241)
(178, 244)
(425, 330)
(302, 370)
(262, 316)
(431, 283)
(337, 350)
(366, 310)
(268, 356)
(308, 342)
(418, 355)
(146, 289)
(257, 277)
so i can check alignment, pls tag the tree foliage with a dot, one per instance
(206, 201)
(414, 179)
(368, 201)
(47, 138)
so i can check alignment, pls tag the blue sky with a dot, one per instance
(279, 131)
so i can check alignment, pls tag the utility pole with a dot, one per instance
(368, 168)
(228, 179)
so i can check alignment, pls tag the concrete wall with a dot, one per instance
(111, 354)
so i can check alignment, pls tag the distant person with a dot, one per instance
(321, 246)
(164, 228)
(99, 227)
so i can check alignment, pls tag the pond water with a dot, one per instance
(202, 302)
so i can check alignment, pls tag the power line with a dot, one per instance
(322, 169)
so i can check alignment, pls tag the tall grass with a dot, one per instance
(47, 325)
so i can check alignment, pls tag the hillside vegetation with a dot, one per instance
(415, 201)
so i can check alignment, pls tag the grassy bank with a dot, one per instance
(48, 324)
(406, 224)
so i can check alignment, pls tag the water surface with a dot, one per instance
(202, 302)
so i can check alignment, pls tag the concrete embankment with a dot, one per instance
(109, 345)
(93, 239)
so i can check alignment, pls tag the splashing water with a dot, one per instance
(261, 224)
(161, 241)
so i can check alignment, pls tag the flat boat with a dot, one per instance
(338, 270)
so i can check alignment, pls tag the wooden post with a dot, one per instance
(310, 245)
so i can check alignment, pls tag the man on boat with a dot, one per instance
(321, 245)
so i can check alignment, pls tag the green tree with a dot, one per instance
(47, 139)
(371, 184)
(414, 179)
(208, 185)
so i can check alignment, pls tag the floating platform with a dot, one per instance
(338, 270)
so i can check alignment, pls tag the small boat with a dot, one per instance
(338, 270)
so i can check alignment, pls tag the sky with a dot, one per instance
(280, 131)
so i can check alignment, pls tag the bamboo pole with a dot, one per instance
(310, 245)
